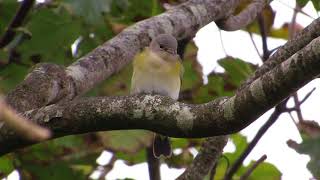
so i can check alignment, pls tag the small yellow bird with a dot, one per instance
(158, 69)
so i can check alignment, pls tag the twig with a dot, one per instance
(307, 96)
(263, 33)
(292, 33)
(22, 126)
(297, 9)
(292, 118)
(107, 168)
(254, 44)
(16, 22)
(272, 119)
(297, 106)
(153, 165)
(213, 172)
(253, 167)
(222, 44)
(292, 29)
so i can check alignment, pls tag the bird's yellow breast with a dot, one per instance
(153, 74)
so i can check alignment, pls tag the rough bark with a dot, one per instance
(49, 83)
(244, 18)
(166, 116)
(208, 155)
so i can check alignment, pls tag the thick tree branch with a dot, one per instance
(57, 83)
(207, 157)
(244, 18)
(168, 117)
(17, 21)
(291, 47)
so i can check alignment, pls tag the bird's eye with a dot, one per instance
(161, 47)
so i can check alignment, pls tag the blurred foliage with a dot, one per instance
(310, 145)
(264, 171)
(47, 35)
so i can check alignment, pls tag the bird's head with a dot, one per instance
(164, 43)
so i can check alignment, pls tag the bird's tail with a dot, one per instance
(161, 146)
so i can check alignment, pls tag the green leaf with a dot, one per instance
(238, 69)
(179, 143)
(129, 11)
(182, 160)
(6, 165)
(302, 3)
(8, 9)
(266, 170)
(316, 4)
(53, 33)
(54, 171)
(10, 76)
(190, 76)
(92, 11)
(132, 159)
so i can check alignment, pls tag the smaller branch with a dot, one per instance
(284, 52)
(253, 167)
(22, 126)
(307, 96)
(254, 44)
(266, 52)
(213, 172)
(292, 29)
(207, 157)
(244, 18)
(274, 49)
(222, 44)
(297, 106)
(272, 119)
(107, 168)
(17, 21)
(292, 33)
(292, 118)
(153, 164)
(297, 9)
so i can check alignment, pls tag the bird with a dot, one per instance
(158, 70)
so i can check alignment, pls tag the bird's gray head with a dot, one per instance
(164, 42)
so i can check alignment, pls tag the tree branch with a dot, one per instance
(244, 18)
(17, 21)
(49, 84)
(284, 52)
(253, 167)
(266, 52)
(166, 116)
(208, 155)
